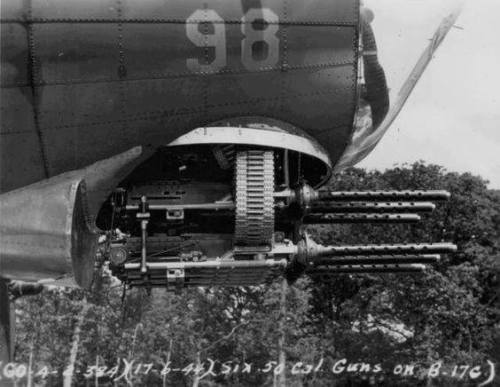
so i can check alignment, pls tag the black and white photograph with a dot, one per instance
(276, 193)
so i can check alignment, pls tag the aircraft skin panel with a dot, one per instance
(320, 46)
(85, 52)
(294, 11)
(88, 9)
(106, 76)
(25, 165)
(21, 158)
(15, 56)
(183, 95)
(64, 106)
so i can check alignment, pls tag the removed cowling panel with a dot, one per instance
(47, 229)
(45, 233)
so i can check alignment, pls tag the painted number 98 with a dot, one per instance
(259, 47)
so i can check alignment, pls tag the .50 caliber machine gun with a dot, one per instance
(267, 237)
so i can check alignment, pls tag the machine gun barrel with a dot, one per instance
(373, 196)
(326, 271)
(362, 258)
(379, 260)
(360, 218)
(339, 251)
(371, 207)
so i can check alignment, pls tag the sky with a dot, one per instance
(453, 116)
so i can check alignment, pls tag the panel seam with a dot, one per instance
(160, 114)
(33, 77)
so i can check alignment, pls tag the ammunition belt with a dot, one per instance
(254, 174)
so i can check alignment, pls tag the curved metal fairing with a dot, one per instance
(368, 132)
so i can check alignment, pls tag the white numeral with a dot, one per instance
(217, 40)
(265, 33)
(259, 48)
